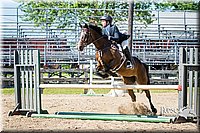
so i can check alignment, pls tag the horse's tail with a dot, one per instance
(147, 71)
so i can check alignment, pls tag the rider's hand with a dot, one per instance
(105, 36)
(109, 37)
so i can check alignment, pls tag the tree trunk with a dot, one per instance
(130, 24)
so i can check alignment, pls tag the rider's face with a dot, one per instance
(104, 23)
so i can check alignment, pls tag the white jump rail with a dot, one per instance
(120, 87)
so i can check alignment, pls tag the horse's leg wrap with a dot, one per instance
(154, 110)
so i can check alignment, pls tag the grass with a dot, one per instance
(7, 91)
(72, 91)
(10, 91)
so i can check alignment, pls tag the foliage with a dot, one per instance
(189, 5)
(46, 13)
(66, 13)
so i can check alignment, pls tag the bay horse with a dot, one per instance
(109, 56)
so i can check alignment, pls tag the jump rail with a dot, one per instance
(120, 87)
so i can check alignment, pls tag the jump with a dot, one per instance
(110, 59)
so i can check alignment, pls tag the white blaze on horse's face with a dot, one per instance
(80, 48)
(84, 39)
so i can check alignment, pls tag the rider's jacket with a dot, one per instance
(112, 32)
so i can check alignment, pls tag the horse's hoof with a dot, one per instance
(133, 100)
(154, 110)
(114, 75)
(105, 76)
(102, 75)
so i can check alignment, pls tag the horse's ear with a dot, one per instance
(85, 25)
(80, 25)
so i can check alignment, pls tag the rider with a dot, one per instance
(113, 34)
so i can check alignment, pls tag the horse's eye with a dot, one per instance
(83, 37)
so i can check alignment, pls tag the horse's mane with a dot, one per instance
(96, 28)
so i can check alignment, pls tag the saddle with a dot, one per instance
(122, 38)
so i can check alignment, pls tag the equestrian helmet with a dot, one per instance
(107, 18)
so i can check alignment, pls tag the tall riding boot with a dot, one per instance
(128, 56)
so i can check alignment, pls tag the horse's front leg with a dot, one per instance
(99, 66)
(100, 69)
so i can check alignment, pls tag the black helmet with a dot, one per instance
(107, 18)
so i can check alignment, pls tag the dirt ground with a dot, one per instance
(101, 104)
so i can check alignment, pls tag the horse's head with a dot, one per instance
(85, 37)
(92, 34)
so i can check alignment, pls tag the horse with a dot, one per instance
(109, 57)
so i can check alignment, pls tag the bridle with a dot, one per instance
(85, 40)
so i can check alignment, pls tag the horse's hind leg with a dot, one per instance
(133, 97)
(130, 81)
(148, 95)
(144, 80)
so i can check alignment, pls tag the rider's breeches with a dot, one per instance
(123, 45)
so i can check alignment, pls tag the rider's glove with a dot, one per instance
(105, 36)
(109, 37)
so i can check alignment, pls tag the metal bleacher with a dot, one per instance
(155, 44)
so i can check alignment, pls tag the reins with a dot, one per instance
(96, 39)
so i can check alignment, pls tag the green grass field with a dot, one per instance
(10, 91)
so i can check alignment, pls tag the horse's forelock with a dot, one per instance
(86, 29)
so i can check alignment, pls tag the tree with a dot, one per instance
(46, 13)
